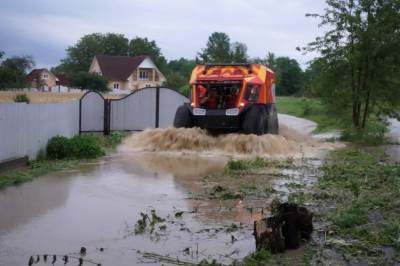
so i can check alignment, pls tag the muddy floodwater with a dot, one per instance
(96, 205)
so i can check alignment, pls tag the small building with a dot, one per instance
(42, 79)
(127, 72)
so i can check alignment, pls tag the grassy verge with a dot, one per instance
(361, 191)
(307, 108)
(356, 205)
(44, 165)
(34, 169)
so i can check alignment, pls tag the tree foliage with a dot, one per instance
(179, 74)
(13, 71)
(88, 81)
(220, 50)
(358, 70)
(290, 76)
(175, 80)
(143, 46)
(238, 53)
(80, 56)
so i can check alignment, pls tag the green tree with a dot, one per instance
(182, 66)
(271, 60)
(176, 80)
(359, 68)
(80, 56)
(179, 74)
(289, 76)
(88, 81)
(13, 71)
(239, 53)
(218, 49)
(143, 46)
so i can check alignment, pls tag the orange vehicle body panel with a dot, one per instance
(254, 74)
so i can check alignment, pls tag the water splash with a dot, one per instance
(290, 143)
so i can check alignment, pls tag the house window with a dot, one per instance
(45, 76)
(116, 86)
(144, 75)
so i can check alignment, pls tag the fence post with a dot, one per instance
(157, 107)
(80, 115)
(107, 116)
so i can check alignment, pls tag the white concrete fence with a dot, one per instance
(26, 128)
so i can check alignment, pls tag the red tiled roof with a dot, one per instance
(118, 67)
(34, 73)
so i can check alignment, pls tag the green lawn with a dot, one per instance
(307, 108)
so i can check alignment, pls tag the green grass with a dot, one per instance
(307, 108)
(44, 165)
(362, 184)
(245, 165)
(34, 169)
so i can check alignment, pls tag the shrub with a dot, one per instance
(79, 147)
(373, 133)
(86, 146)
(59, 148)
(22, 98)
(114, 138)
(306, 106)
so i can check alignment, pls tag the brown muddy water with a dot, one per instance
(97, 204)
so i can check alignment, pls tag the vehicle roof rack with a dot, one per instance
(248, 65)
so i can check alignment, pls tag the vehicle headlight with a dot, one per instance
(232, 112)
(199, 111)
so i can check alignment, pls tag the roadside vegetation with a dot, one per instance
(63, 153)
(22, 98)
(355, 199)
(358, 195)
(308, 108)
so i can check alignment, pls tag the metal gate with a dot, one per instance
(91, 112)
(150, 107)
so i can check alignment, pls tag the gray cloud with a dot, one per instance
(45, 28)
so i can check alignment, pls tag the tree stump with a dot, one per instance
(284, 230)
(268, 235)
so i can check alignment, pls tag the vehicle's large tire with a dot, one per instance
(183, 117)
(272, 123)
(254, 119)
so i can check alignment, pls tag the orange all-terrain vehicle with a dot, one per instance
(233, 97)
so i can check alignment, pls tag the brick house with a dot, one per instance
(42, 78)
(127, 72)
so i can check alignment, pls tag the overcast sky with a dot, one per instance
(45, 28)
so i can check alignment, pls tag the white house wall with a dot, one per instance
(148, 63)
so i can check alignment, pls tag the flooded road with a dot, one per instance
(97, 205)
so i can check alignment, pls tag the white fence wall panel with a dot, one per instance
(135, 112)
(26, 128)
(169, 103)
